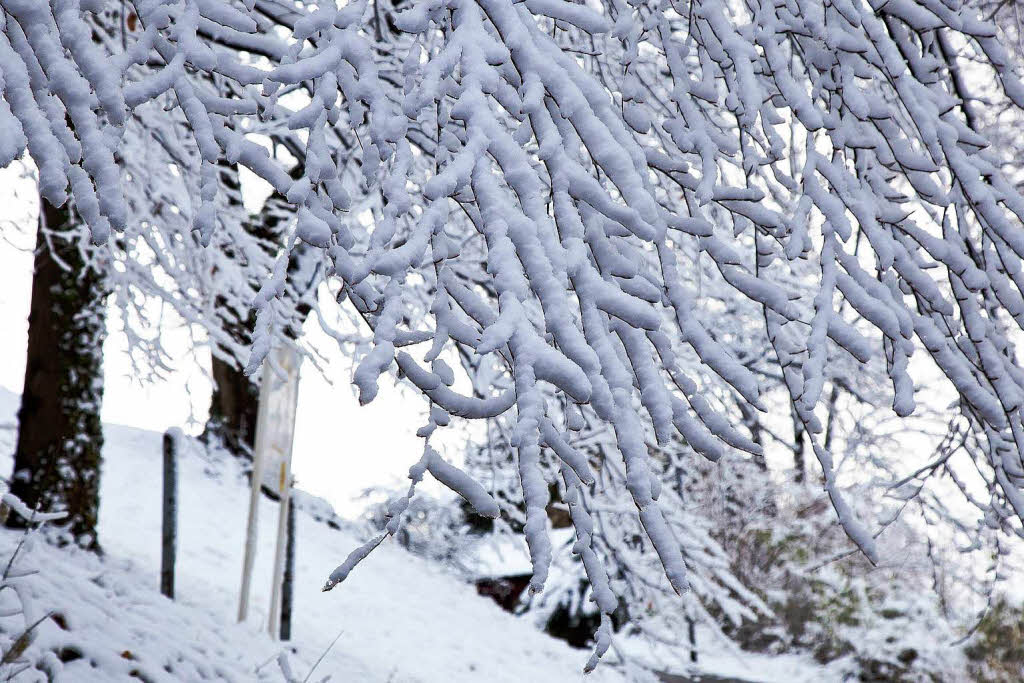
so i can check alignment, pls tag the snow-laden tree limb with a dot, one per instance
(549, 174)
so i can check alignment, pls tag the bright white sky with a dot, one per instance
(340, 448)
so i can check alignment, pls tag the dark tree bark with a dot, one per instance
(830, 422)
(233, 407)
(799, 448)
(60, 436)
(235, 399)
(753, 424)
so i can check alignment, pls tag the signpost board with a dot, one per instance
(275, 430)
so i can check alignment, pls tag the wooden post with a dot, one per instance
(254, 508)
(288, 585)
(275, 429)
(172, 438)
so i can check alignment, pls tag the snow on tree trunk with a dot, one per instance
(57, 459)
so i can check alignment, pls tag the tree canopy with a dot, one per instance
(538, 187)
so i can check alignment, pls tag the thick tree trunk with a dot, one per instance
(57, 460)
(235, 398)
(233, 406)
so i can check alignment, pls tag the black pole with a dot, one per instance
(692, 628)
(170, 513)
(288, 580)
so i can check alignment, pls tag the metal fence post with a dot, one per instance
(172, 441)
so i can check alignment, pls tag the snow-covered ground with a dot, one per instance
(400, 617)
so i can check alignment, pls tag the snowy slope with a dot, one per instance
(401, 618)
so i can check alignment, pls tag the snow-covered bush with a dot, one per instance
(995, 649)
(874, 624)
(811, 591)
(20, 615)
(435, 529)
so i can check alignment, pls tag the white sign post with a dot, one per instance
(275, 430)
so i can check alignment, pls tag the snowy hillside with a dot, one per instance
(401, 618)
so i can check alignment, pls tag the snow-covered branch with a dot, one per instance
(543, 181)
